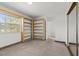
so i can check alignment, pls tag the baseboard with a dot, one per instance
(64, 42)
(59, 41)
(73, 43)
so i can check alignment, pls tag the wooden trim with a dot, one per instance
(43, 28)
(33, 29)
(72, 7)
(22, 30)
(12, 12)
(8, 12)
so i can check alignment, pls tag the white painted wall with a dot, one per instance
(50, 29)
(61, 29)
(57, 28)
(9, 38)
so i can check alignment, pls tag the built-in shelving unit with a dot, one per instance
(27, 29)
(39, 29)
(33, 29)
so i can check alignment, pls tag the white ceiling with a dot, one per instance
(48, 9)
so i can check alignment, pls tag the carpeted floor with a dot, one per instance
(36, 48)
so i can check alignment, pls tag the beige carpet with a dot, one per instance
(36, 48)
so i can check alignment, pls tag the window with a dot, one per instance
(9, 23)
(2, 23)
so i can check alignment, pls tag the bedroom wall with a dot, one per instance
(57, 28)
